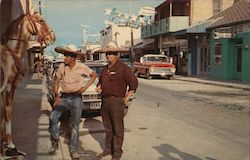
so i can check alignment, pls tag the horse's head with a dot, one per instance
(38, 26)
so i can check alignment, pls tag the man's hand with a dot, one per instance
(98, 89)
(56, 102)
(92, 79)
(126, 100)
(82, 89)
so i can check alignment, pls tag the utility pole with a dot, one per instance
(132, 46)
(131, 56)
(40, 7)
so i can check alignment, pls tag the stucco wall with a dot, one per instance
(203, 9)
(245, 56)
(227, 69)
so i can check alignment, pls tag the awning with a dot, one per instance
(202, 26)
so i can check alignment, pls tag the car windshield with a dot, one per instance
(158, 59)
(97, 69)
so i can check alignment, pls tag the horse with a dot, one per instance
(14, 43)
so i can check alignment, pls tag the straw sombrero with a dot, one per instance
(69, 49)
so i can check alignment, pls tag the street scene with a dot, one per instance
(178, 120)
(125, 80)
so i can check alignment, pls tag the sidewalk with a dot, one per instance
(31, 121)
(207, 80)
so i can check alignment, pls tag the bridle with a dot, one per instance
(33, 32)
(33, 25)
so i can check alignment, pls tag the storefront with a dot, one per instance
(230, 52)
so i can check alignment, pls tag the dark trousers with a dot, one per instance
(112, 115)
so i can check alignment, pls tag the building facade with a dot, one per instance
(121, 35)
(230, 42)
(176, 15)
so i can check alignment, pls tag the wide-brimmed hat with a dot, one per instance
(69, 50)
(112, 48)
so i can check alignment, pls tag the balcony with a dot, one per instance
(170, 24)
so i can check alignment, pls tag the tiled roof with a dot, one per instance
(238, 12)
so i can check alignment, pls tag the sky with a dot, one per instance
(66, 16)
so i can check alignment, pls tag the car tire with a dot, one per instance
(148, 75)
(169, 77)
(137, 74)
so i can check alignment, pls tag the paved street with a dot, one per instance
(169, 120)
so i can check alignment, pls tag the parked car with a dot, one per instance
(127, 61)
(155, 65)
(91, 99)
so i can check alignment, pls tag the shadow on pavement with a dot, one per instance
(169, 152)
(26, 113)
(94, 128)
(91, 127)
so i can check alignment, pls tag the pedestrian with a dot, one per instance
(38, 66)
(117, 84)
(70, 73)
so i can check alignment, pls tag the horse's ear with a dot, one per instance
(32, 9)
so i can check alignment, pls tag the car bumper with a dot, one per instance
(161, 73)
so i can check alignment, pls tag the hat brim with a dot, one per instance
(67, 51)
(112, 50)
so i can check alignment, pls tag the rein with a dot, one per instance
(34, 30)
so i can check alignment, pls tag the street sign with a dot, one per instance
(218, 35)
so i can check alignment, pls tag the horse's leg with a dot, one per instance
(2, 123)
(10, 90)
(8, 114)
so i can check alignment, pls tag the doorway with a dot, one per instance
(238, 59)
(204, 60)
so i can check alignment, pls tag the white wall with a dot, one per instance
(123, 35)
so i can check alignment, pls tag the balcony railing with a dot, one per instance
(170, 24)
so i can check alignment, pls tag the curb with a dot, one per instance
(245, 88)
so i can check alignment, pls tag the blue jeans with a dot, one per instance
(74, 104)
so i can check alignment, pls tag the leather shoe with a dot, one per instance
(103, 154)
(54, 145)
(75, 155)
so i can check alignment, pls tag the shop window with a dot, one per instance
(217, 54)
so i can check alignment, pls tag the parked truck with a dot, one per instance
(155, 65)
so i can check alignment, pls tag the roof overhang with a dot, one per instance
(200, 27)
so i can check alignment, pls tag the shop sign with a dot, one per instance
(231, 31)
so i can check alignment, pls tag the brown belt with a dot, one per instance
(71, 94)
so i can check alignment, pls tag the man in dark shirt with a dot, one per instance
(117, 83)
